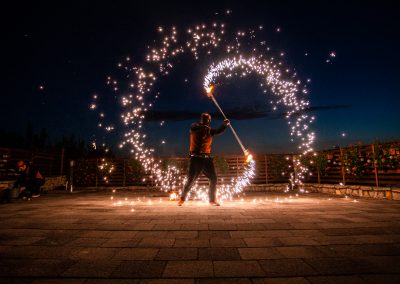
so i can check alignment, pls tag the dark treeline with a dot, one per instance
(74, 147)
(27, 141)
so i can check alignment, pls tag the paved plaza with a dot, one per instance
(126, 237)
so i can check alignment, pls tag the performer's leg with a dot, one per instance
(30, 187)
(210, 173)
(195, 165)
(37, 183)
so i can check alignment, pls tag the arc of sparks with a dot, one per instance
(161, 59)
(246, 152)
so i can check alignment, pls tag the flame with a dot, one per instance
(209, 89)
(173, 196)
(249, 158)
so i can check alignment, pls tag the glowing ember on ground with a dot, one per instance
(173, 196)
(249, 200)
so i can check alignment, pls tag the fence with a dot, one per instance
(49, 163)
(375, 164)
(125, 172)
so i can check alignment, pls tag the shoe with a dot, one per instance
(180, 202)
(36, 195)
(214, 203)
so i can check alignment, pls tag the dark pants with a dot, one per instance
(32, 187)
(198, 165)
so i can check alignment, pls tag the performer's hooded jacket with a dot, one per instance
(201, 138)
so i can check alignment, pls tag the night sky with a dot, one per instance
(56, 56)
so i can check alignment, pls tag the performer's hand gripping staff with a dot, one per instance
(246, 152)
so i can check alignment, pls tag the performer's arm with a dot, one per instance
(21, 180)
(220, 129)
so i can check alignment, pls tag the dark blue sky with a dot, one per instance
(70, 48)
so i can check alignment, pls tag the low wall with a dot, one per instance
(50, 183)
(273, 187)
(53, 182)
(355, 190)
(336, 189)
(6, 184)
(392, 193)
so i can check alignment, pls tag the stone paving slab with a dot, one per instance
(219, 253)
(144, 238)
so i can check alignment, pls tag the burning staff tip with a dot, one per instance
(209, 90)
(248, 156)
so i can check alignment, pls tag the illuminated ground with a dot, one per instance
(85, 238)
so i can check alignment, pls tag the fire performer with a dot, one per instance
(201, 135)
